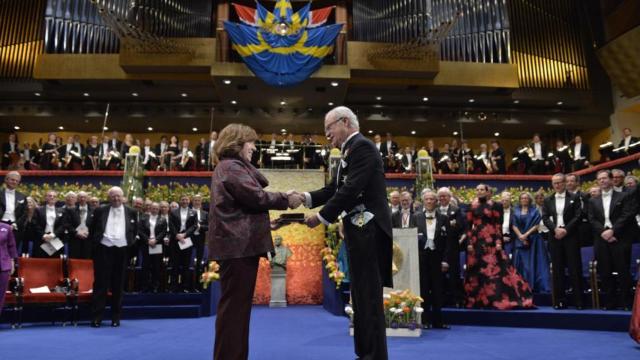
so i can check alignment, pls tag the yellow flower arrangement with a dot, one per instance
(329, 254)
(210, 274)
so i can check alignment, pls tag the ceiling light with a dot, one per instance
(559, 103)
(282, 102)
(150, 128)
(496, 134)
(413, 132)
(472, 100)
(370, 131)
(37, 94)
(330, 103)
(516, 101)
(105, 128)
(425, 99)
(233, 102)
(134, 94)
(334, 83)
(195, 129)
(226, 81)
(378, 98)
(283, 130)
(184, 94)
(86, 95)
(455, 133)
(60, 127)
(16, 127)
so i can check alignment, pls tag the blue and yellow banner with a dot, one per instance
(282, 48)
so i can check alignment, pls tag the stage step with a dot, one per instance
(542, 317)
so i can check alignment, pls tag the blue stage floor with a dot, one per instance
(304, 332)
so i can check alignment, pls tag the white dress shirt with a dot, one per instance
(405, 216)
(560, 203)
(50, 214)
(83, 210)
(153, 219)
(577, 151)
(627, 142)
(430, 225)
(505, 221)
(409, 161)
(606, 204)
(10, 202)
(389, 144)
(114, 233)
(184, 213)
(147, 149)
(537, 151)
(197, 211)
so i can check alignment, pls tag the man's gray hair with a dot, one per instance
(427, 192)
(115, 189)
(345, 112)
(424, 191)
(444, 190)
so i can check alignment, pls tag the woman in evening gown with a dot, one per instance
(491, 282)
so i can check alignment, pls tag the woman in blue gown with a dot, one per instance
(530, 255)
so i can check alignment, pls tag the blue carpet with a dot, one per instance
(303, 332)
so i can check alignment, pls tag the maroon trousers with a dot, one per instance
(237, 283)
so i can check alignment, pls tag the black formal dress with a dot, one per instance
(360, 181)
(498, 161)
(565, 252)
(433, 232)
(29, 231)
(491, 281)
(110, 258)
(613, 256)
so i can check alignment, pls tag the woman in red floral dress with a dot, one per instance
(491, 281)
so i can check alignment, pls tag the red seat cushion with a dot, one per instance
(83, 271)
(44, 298)
(40, 272)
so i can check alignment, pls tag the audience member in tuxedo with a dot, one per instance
(213, 137)
(8, 256)
(154, 230)
(433, 231)
(71, 155)
(581, 154)
(610, 220)
(113, 229)
(201, 155)
(93, 202)
(30, 157)
(617, 180)
(29, 224)
(497, 158)
(126, 144)
(394, 201)
(403, 218)
(562, 162)
(172, 153)
(584, 228)
(161, 149)
(185, 223)
(199, 236)
(434, 153)
(508, 237)
(530, 254)
(627, 139)
(150, 159)
(104, 156)
(539, 162)
(389, 146)
(51, 224)
(12, 203)
(72, 236)
(114, 143)
(10, 152)
(377, 141)
(483, 160)
(238, 242)
(454, 240)
(82, 239)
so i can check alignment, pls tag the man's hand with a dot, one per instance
(469, 248)
(499, 247)
(166, 241)
(445, 266)
(312, 220)
(13, 266)
(295, 199)
(152, 242)
(180, 237)
(560, 233)
(607, 234)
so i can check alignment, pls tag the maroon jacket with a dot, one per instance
(239, 211)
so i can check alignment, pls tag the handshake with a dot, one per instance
(295, 199)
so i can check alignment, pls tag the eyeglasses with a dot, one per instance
(328, 127)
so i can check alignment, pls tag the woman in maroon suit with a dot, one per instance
(8, 254)
(239, 234)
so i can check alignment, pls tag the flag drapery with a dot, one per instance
(282, 48)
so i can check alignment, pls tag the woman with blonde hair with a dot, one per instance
(239, 234)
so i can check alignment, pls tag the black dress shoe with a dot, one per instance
(560, 306)
(115, 323)
(95, 324)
